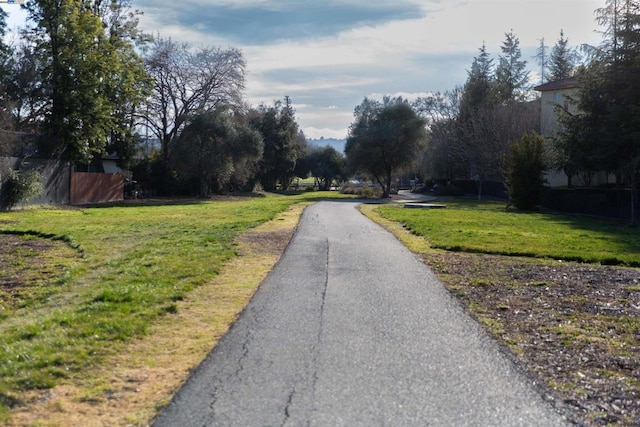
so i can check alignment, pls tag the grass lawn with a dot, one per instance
(107, 275)
(472, 226)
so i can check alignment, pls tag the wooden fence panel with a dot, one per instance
(96, 188)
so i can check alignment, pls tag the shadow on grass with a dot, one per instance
(620, 247)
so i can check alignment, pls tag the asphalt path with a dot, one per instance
(351, 328)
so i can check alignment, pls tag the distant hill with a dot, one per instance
(338, 144)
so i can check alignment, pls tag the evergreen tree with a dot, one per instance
(478, 90)
(213, 147)
(512, 77)
(282, 148)
(526, 165)
(563, 59)
(608, 122)
(4, 48)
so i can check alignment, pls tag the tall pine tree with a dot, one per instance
(512, 77)
(478, 89)
(563, 59)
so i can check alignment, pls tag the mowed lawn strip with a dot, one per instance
(485, 227)
(131, 266)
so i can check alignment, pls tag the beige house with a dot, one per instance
(556, 94)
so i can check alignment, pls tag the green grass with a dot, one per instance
(486, 227)
(129, 265)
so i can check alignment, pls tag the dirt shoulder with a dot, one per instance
(575, 327)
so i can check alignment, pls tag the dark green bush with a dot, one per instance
(526, 164)
(21, 186)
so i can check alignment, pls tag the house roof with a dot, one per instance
(567, 83)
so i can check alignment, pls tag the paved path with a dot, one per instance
(352, 329)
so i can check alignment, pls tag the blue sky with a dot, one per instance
(327, 55)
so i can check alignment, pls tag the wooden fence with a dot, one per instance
(89, 188)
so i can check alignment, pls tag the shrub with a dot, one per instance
(526, 165)
(361, 191)
(21, 186)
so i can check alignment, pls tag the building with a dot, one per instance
(554, 95)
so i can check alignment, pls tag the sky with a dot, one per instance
(328, 55)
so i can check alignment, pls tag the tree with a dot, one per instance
(384, 138)
(562, 62)
(69, 36)
(512, 77)
(282, 145)
(7, 125)
(211, 149)
(188, 82)
(441, 111)
(129, 84)
(479, 88)
(26, 96)
(325, 164)
(608, 123)
(543, 60)
(81, 60)
(526, 165)
(582, 146)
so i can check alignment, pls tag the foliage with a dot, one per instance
(325, 164)
(581, 147)
(384, 138)
(607, 124)
(283, 143)
(89, 72)
(364, 191)
(526, 165)
(479, 89)
(486, 227)
(212, 149)
(21, 186)
(562, 62)
(471, 128)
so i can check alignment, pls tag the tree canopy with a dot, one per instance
(384, 138)
(213, 148)
(89, 72)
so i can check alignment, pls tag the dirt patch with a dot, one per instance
(26, 270)
(574, 326)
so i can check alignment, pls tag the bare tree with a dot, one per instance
(441, 112)
(486, 136)
(187, 81)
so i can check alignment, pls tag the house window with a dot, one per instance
(556, 97)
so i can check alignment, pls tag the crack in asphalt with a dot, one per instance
(287, 406)
(317, 345)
